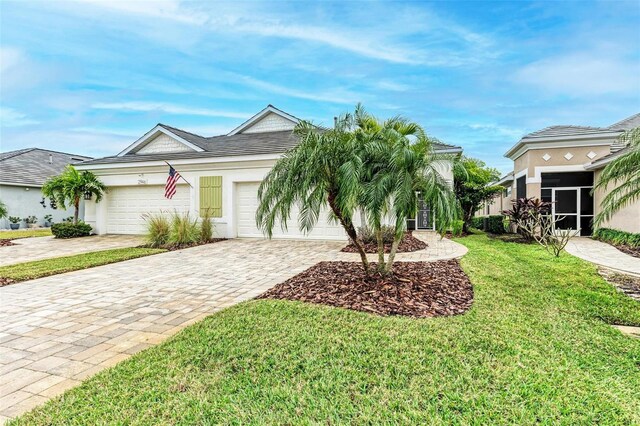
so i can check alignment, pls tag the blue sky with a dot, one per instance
(91, 77)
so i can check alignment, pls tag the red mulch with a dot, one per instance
(417, 289)
(6, 242)
(6, 281)
(407, 244)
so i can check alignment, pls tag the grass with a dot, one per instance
(25, 233)
(58, 265)
(534, 348)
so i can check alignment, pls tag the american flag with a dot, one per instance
(170, 187)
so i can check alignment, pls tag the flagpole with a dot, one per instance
(179, 174)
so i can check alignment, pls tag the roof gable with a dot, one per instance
(270, 119)
(627, 124)
(170, 145)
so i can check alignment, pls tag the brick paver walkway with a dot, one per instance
(59, 330)
(37, 248)
(604, 255)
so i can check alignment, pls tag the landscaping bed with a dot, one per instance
(174, 247)
(416, 289)
(407, 244)
(5, 243)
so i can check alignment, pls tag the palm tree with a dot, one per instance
(624, 171)
(399, 164)
(71, 186)
(323, 170)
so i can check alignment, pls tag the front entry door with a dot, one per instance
(566, 208)
(425, 218)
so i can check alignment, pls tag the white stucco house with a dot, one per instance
(223, 173)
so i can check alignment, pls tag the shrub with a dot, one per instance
(616, 237)
(15, 219)
(368, 236)
(206, 227)
(456, 228)
(157, 229)
(523, 211)
(494, 224)
(184, 230)
(69, 230)
(477, 222)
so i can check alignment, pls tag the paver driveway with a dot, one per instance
(37, 248)
(59, 330)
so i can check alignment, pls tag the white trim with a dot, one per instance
(520, 174)
(269, 109)
(152, 134)
(560, 142)
(537, 175)
(204, 160)
(27, 185)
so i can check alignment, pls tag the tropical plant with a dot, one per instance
(623, 173)
(472, 185)
(542, 228)
(30, 220)
(184, 231)
(322, 170)
(617, 238)
(206, 226)
(457, 228)
(399, 165)
(524, 210)
(3, 210)
(368, 236)
(158, 229)
(71, 186)
(15, 219)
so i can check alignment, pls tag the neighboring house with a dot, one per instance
(223, 174)
(561, 164)
(22, 174)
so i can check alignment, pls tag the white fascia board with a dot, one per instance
(261, 114)
(29, 185)
(153, 133)
(448, 151)
(186, 161)
(560, 142)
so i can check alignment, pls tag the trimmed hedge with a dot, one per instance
(615, 237)
(493, 224)
(69, 230)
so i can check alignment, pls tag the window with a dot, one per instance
(521, 187)
(571, 179)
(211, 195)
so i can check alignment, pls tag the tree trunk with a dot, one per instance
(351, 232)
(388, 270)
(76, 204)
(380, 241)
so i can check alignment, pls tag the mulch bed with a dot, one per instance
(6, 281)
(627, 284)
(417, 289)
(633, 251)
(407, 244)
(185, 246)
(6, 242)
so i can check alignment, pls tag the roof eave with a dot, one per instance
(159, 128)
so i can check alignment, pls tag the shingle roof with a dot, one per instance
(33, 166)
(240, 144)
(563, 130)
(627, 124)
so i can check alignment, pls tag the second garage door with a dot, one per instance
(127, 204)
(247, 204)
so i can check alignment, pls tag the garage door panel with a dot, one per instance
(247, 204)
(126, 205)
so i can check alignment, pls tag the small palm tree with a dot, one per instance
(624, 172)
(71, 186)
(323, 170)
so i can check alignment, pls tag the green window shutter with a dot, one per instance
(211, 195)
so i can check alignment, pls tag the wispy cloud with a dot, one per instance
(167, 108)
(9, 117)
(335, 96)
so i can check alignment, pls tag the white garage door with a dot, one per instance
(127, 204)
(247, 204)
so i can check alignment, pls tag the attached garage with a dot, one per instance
(247, 204)
(127, 204)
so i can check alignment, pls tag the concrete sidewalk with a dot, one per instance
(604, 255)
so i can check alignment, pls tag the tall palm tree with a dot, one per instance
(3, 210)
(624, 172)
(399, 164)
(323, 170)
(70, 186)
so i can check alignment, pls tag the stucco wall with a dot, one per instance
(627, 219)
(24, 201)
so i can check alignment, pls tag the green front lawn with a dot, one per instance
(58, 265)
(25, 233)
(534, 348)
